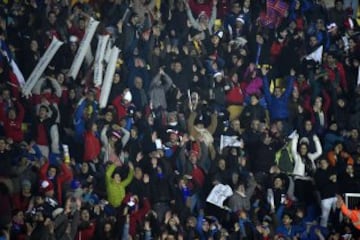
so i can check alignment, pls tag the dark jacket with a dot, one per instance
(325, 186)
(250, 113)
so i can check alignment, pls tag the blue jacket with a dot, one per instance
(79, 120)
(278, 107)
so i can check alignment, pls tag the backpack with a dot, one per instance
(284, 160)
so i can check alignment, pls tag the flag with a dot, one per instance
(14, 67)
(316, 55)
(280, 7)
(275, 11)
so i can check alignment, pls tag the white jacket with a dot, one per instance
(299, 168)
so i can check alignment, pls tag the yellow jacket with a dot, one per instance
(116, 191)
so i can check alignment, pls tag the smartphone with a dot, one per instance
(158, 143)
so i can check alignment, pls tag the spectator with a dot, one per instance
(277, 103)
(217, 121)
(304, 167)
(326, 182)
(115, 185)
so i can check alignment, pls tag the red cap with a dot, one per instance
(46, 186)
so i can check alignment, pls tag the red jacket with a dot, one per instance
(121, 109)
(12, 128)
(342, 76)
(276, 49)
(325, 107)
(92, 146)
(87, 233)
(65, 175)
(197, 8)
(20, 202)
(235, 96)
(138, 216)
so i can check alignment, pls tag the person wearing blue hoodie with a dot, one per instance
(277, 101)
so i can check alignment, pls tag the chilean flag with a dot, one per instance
(5, 52)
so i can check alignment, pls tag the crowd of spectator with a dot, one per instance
(260, 98)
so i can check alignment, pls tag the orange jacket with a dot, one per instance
(354, 215)
(333, 158)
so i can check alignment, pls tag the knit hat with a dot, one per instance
(46, 186)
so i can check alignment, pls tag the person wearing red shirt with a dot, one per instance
(51, 173)
(21, 200)
(13, 122)
(87, 227)
(336, 73)
(198, 6)
(92, 146)
(41, 127)
(121, 103)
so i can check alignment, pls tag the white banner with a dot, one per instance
(89, 58)
(83, 48)
(230, 141)
(41, 66)
(108, 79)
(108, 51)
(219, 194)
(99, 58)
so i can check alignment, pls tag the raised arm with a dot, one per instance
(213, 124)
(294, 144)
(289, 86)
(318, 149)
(168, 81)
(266, 85)
(251, 188)
(155, 80)
(37, 88)
(129, 178)
(21, 111)
(191, 18)
(213, 15)
(109, 171)
(126, 136)
(191, 121)
(57, 86)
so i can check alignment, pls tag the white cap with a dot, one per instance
(240, 19)
(127, 96)
(73, 39)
